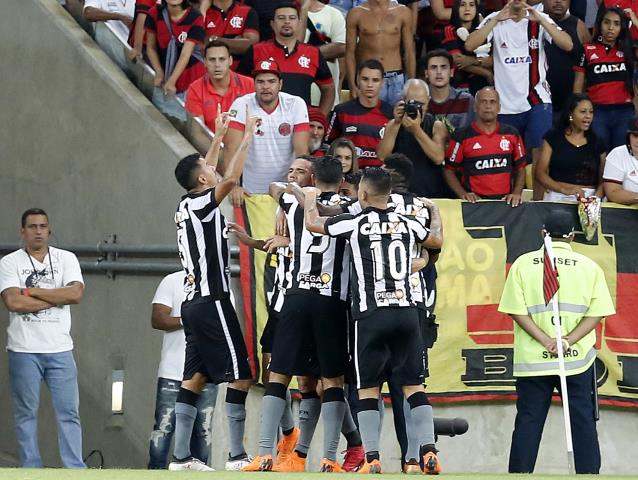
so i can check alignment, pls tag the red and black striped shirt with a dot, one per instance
(486, 161)
(605, 74)
(189, 28)
(231, 23)
(361, 125)
(300, 67)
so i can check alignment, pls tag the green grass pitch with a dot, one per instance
(114, 474)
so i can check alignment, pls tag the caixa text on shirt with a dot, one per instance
(383, 228)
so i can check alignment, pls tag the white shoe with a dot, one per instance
(191, 463)
(238, 464)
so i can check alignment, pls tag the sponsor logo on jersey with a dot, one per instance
(390, 296)
(593, 56)
(285, 129)
(533, 44)
(591, 47)
(307, 280)
(383, 228)
(382, 132)
(236, 22)
(182, 37)
(476, 146)
(516, 60)
(503, 45)
(211, 24)
(620, 54)
(304, 61)
(366, 153)
(491, 163)
(505, 144)
(419, 211)
(351, 129)
(614, 67)
(633, 173)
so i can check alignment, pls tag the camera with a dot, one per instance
(412, 108)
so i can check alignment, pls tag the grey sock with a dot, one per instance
(369, 426)
(236, 414)
(332, 410)
(287, 422)
(272, 408)
(309, 410)
(381, 413)
(411, 432)
(185, 416)
(423, 424)
(348, 424)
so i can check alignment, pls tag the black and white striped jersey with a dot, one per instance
(281, 262)
(320, 264)
(381, 242)
(412, 206)
(202, 241)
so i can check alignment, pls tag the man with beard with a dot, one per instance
(301, 64)
(318, 127)
(281, 137)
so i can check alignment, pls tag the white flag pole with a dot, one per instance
(561, 366)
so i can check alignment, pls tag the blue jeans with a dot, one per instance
(392, 89)
(532, 124)
(58, 370)
(610, 123)
(165, 423)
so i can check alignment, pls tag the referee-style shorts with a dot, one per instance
(311, 337)
(388, 343)
(214, 343)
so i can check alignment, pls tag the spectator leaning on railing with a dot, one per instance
(119, 15)
(572, 156)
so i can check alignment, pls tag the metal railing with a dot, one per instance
(113, 258)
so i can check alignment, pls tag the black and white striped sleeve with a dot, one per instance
(341, 225)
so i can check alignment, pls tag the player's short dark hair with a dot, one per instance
(371, 64)
(353, 178)
(185, 171)
(327, 169)
(32, 211)
(285, 4)
(378, 180)
(401, 164)
(215, 44)
(439, 52)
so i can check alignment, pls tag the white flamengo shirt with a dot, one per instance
(46, 331)
(271, 151)
(520, 63)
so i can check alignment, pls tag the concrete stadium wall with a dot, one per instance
(80, 141)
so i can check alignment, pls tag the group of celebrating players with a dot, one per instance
(348, 303)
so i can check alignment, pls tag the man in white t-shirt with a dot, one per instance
(281, 136)
(620, 178)
(38, 284)
(117, 13)
(329, 35)
(166, 316)
(518, 33)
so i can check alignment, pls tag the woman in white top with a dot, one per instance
(620, 177)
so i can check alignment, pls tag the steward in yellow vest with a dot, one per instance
(584, 300)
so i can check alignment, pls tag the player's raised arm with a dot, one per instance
(435, 238)
(313, 221)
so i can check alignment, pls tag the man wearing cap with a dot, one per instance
(219, 88)
(583, 301)
(318, 127)
(280, 138)
(300, 64)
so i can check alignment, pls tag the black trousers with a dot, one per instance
(534, 397)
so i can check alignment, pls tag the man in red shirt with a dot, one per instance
(232, 23)
(219, 87)
(300, 64)
(489, 156)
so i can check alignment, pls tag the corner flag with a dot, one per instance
(550, 274)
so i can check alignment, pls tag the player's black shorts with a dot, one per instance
(268, 335)
(311, 331)
(389, 339)
(214, 343)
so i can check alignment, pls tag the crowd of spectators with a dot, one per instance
(364, 79)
